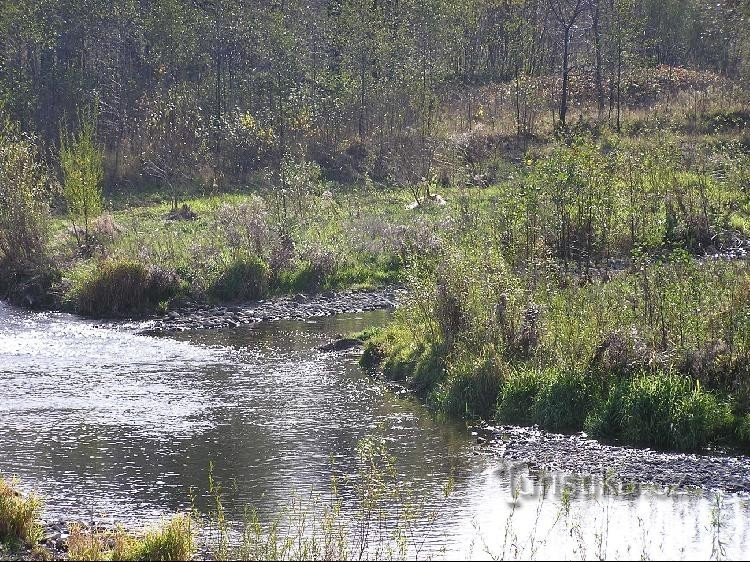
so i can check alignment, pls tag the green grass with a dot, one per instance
(173, 540)
(654, 356)
(662, 411)
(19, 514)
(242, 279)
(122, 287)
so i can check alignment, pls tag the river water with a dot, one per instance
(114, 426)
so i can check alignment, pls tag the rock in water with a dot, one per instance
(341, 344)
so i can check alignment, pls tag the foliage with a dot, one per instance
(19, 514)
(379, 95)
(471, 385)
(563, 401)
(25, 269)
(122, 288)
(81, 160)
(244, 278)
(173, 540)
(661, 410)
(517, 397)
(580, 354)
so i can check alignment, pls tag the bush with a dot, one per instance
(472, 387)
(82, 162)
(662, 411)
(245, 278)
(123, 287)
(310, 273)
(563, 400)
(25, 270)
(743, 430)
(518, 396)
(18, 515)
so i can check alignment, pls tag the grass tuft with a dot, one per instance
(18, 515)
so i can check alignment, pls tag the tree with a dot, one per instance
(566, 13)
(82, 163)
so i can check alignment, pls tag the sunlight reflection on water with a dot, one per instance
(112, 424)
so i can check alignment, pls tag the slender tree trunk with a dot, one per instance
(598, 56)
(565, 77)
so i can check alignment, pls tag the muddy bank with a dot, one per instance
(578, 454)
(295, 307)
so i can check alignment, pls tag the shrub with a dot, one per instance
(18, 515)
(517, 397)
(123, 287)
(245, 278)
(471, 387)
(25, 270)
(662, 411)
(563, 400)
(82, 161)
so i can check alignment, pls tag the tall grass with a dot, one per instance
(669, 338)
(121, 288)
(19, 514)
(173, 540)
(663, 411)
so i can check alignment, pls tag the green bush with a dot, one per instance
(26, 272)
(429, 370)
(82, 163)
(471, 387)
(116, 288)
(743, 430)
(244, 278)
(563, 401)
(662, 411)
(518, 396)
(301, 278)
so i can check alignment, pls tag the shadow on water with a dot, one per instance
(114, 425)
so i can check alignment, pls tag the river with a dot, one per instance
(120, 427)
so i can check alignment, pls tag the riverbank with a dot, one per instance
(626, 467)
(657, 355)
(296, 307)
(149, 437)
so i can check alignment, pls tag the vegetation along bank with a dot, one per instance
(564, 188)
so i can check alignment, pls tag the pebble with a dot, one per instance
(578, 454)
(298, 307)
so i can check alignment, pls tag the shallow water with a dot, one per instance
(120, 427)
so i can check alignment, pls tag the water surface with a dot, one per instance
(116, 426)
